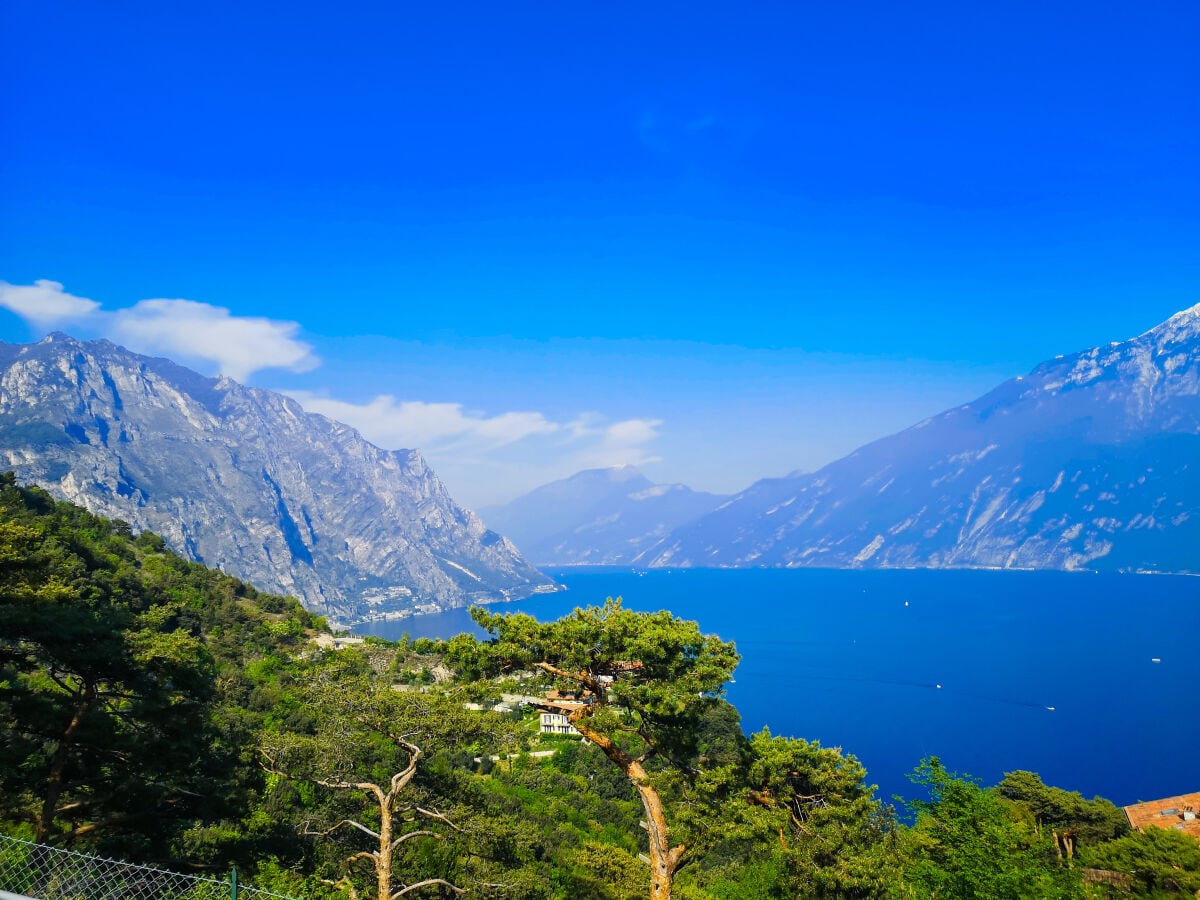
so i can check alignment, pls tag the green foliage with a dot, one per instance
(652, 676)
(122, 680)
(1072, 819)
(598, 871)
(271, 875)
(810, 810)
(138, 691)
(969, 841)
(1162, 862)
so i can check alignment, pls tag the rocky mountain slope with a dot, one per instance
(597, 517)
(245, 480)
(1092, 461)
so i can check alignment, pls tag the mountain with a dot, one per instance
(1092, 461)
(247, 481)
(597, 517)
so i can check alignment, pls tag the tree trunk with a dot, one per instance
(44, 822)
(664, 859)
(383, 862)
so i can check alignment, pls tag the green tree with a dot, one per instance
(647, 679)
(373, 745)
(1072, 820)
(970, 842)
(1161, 861)
(603, 872)
(129, 711)
(838, 838)
(103, 693)
(805, 816)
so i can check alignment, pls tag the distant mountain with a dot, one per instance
(1092, 461)
(245, 480)
(597, 517)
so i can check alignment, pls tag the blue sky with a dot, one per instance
(720, 241)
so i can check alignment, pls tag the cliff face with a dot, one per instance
(597, 517)
(1092, 461)
(245, 480)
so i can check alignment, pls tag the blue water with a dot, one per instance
(854, 659)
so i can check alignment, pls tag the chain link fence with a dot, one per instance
(46, 873)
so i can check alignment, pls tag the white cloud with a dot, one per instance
(490, 457)
(239, 345)
(44, 304)
(620, 443)
(633, 431)
(412, 423)
(493, 456)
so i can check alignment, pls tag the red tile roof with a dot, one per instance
(1181, 813)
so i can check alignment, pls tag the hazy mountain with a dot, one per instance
(1090, 461)
(597, 517)
(246, 480)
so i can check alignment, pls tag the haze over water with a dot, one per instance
(992, 671)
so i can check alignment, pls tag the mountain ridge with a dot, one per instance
(246, 480)
(597, 516)
(986, 484)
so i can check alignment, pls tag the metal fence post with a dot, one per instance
(233, 883)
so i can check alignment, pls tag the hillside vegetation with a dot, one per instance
(158, 711)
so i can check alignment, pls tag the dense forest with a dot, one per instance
(158, 711)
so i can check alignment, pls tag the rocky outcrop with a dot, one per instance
(1092, 461)
(247, 481)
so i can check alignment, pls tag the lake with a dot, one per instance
(1092, 681)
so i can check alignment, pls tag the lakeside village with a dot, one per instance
(554, 708)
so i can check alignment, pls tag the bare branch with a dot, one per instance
(353, 786)
(404, 776)
(112, 820)
(434, 814)
(76, 806)
(428, 882)
(412, 834)
(272, 767)
(349, 822)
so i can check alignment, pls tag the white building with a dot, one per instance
(556, 723)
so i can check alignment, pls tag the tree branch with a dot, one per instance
(412, 834)
(105, 823)
(273, 768)
(405, 775)
(352, 786)
(75, 691)
(434, 814)
(428, 882)
(578, 677)
(331, 830)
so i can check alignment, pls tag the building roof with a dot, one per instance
(563, 707)
(565, 695)
(1181, 813)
